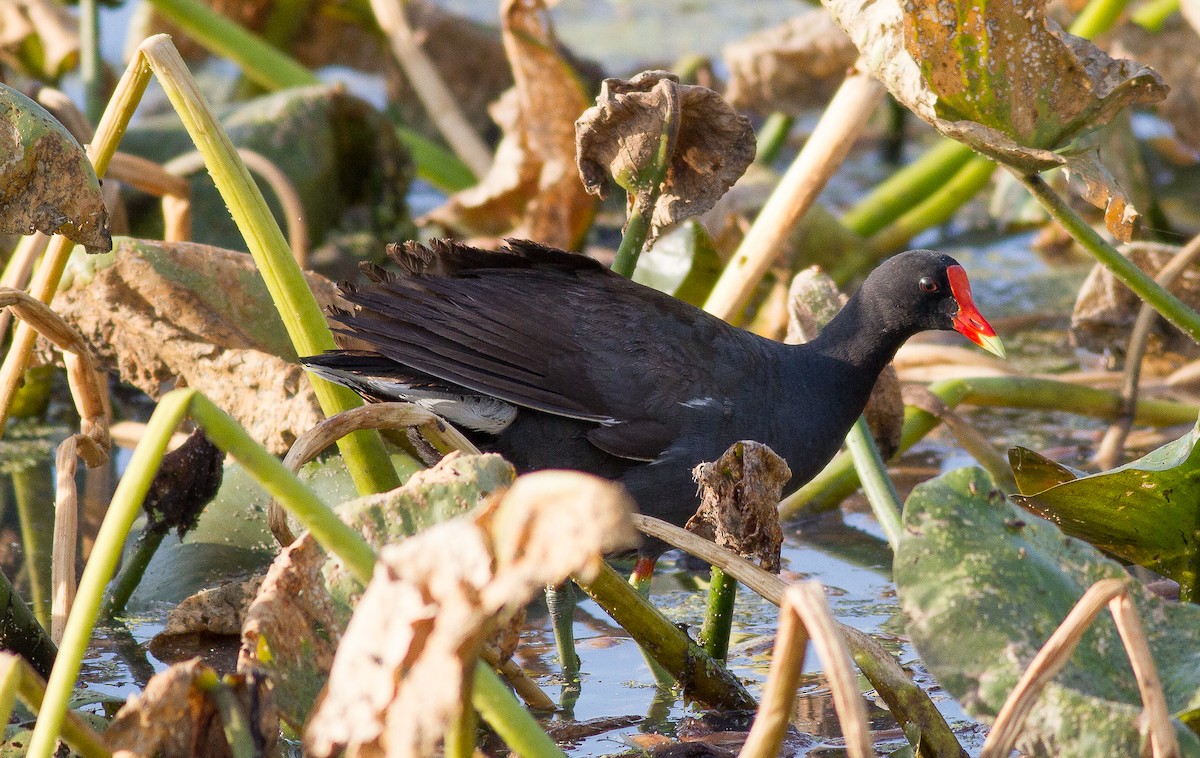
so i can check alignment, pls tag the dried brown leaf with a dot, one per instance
(1174, 52)
(292, 630)
(1106, 309)
(551, 525)
(175, 718)
(217, 610)
(160, 313)
(531, 190)
(1003, 79)
(739, 498)
(399, 676)
(407, 656)
(710, 144)
(788, 68)
(46, 180)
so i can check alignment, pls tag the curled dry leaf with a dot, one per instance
(400, 673)
(294, 624)
(787, 68)
(709, 144)
(739, 499)
(292, 630)
(1174, 52)
(1005, 80)
(47, 182)
(159, 313)
(218, 610)
(39, 37)
(813, 300)
(187, 480)
(531, 190)
(1106, 309)
(176, 718)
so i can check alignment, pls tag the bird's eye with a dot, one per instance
(928, 284)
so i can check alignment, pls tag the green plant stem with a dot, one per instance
(31, 689)
(259, 61)
(1154, 14)
(1097, 17)
(20, 631)
(906, 188)
(705, 680)
(718, 616)
(872, 472)
(106, 552)
(646, 189)
(509, 718)
(636, 230)
(132, 572)
(828, 488)
(435, 164)
(31, 485)
(363, 451)
(1144, 286)
(772, 136)
(91, 71)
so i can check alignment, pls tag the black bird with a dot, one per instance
(554, 361)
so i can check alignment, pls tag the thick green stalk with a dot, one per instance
(91, 71)
(839, 479)
(1097, 17)
(435, 164)
(132, 571)
(772, 136)
(363, 451)
(707, 681)
(509, 718)
(1154, 14)
(872, 472)
(1142, 284)
(718, 615)
(259, 61)
(907, 187)
(636, 230)
(646, 188)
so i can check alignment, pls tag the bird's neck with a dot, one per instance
(860, 337)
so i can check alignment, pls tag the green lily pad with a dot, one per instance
(984, 584)
(1144, 512)
(683, 262)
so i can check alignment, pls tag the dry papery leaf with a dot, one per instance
(620, 136)
(1106, 309)
(1174, 52)
(159, 313)
(291, 629)
(531, 190)
(175, 718)
(788, 68)
(217, 610)
(400, 674)
(739, 498)
(1006, 81)
(46, 180)
(42, 25)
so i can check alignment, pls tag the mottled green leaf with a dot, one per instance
(984, 584)
(1145, 512)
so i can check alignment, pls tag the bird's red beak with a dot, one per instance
(969, 321)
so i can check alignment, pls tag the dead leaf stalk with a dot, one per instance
(1057, 651)
(779, 692)
(66, 537)
(1112, 447)
(824, 151)
(910, 705)
(430, 88)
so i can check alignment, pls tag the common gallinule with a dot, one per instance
(554, 361)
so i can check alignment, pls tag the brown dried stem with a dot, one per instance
(825, 150)
(1057, 651)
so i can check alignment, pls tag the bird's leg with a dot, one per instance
(560, 603)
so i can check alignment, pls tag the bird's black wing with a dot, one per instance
(548, 330)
